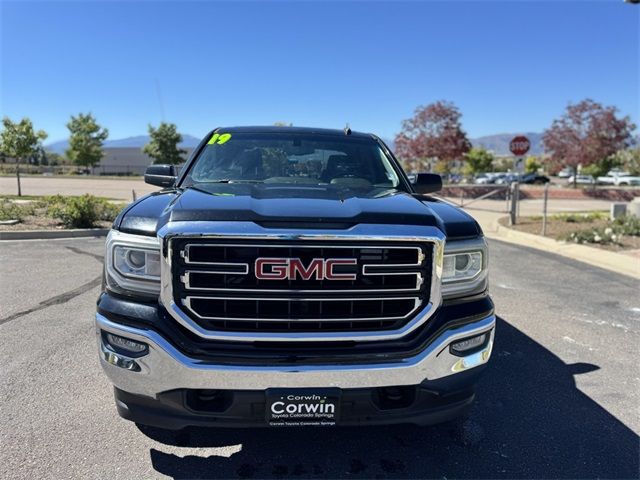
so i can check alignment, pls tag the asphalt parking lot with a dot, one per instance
(560, 399)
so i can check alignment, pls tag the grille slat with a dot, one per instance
(216, 283)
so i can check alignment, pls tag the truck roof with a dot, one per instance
(300, 130)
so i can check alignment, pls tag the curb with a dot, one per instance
(52, 234)
(615, 262)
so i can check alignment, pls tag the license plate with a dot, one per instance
(302, 407)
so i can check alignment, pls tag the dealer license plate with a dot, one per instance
(302, 407)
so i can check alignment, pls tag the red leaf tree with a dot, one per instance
(586, 133)
(434, 132)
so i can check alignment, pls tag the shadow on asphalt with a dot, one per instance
(529, 420)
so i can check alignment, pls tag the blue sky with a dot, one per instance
(509, 66)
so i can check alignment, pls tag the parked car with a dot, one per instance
(565, 172)
(328, 291)
(528, 178)
(482, 180)
(627, 180)
(582, 180)
(618, 171)
(454, 178)
(619, 179)
(534, 179)
(489, 178)
(507, 179)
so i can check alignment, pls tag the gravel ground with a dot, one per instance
(559, 400)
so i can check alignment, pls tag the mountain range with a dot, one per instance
(139, 141)
(498, 144)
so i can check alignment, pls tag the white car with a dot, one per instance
(619, 179)
(627, 180)
(581, 179)
(488, 178)
(482, 180)
(565, 172)
(606, 180)
(618, 172)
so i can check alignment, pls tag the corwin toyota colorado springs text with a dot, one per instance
(290, 277)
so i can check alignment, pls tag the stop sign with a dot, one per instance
(519, 145)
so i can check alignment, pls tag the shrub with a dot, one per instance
(612, 234)
(627, 225)
(13, 211)
(80, 212)
(602, 236)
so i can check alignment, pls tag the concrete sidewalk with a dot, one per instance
(627, 263)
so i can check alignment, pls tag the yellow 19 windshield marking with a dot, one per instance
(219, 139)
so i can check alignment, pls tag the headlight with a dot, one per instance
(461, 266)
(137, 262)
(464, 268)
(132, 263)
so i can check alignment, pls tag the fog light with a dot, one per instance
(126, 344)
(461, 347)
(118, 361)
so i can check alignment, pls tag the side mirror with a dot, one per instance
(426, 182)
(160, 175)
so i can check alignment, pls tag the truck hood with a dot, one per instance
(278, 206)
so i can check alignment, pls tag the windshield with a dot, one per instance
(354, 162)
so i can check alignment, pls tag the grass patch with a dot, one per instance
(586, 217)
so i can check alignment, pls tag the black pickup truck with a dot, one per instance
(293, 277)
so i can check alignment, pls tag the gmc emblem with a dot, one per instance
(293, 268)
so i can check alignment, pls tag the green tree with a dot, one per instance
(442, 167)
(477, 160)
(85, 140)
(532, 165)
(18, 140)
(601, 167)
(53, 159)
(629, 159)
(163, 144)
(503, 164)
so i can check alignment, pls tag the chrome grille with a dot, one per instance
(215, 283)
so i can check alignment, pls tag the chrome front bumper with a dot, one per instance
(165, 368)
